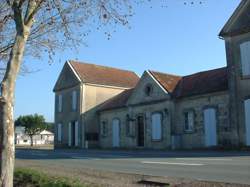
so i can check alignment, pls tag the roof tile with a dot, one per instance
(96, 74)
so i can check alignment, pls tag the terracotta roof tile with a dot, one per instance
(202, 83)
(167, 81)
(196, 84)
(117, 101)
(96, 74)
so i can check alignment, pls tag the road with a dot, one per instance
(233, 167)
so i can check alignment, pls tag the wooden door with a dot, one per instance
(140, 131)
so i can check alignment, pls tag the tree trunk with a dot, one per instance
(31, 140)
(7, 146)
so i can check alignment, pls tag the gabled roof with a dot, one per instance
(167, 81)
(117, 101)
(205, 82)
(232, 26)
(102, 75)
(45, 132)
(202, 83)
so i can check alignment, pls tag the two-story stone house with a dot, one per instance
(159, 110)
(79, 90)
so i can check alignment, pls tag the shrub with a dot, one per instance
(31, 178)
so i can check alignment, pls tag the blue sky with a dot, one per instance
(178, 39)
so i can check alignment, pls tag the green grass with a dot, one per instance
(31, 178)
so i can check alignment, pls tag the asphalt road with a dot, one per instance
(233, 167)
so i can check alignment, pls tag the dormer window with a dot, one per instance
(245, 58)
(148, 90)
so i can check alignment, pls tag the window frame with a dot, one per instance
(130, 132)
(74, 100)
(104, 131)
(241, 47)
(148, 89)
(161, 127)
(187, 120)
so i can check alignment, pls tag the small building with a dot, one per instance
(43, 138)
(97, 106)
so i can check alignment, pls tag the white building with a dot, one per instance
(43, 138)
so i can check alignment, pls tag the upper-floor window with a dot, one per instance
(60, 100)
(245, 58)
(74, 100)
(189, 120)
(156, 124)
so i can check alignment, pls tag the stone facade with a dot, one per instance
(88, 98)
(235, 33)
(131, 140)
(173, 118)
(197, 104)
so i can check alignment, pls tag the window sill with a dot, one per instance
(157, 140)
(244, 77)
(188, 131)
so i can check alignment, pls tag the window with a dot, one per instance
(245, 58)
(59, 132)
(130, 128)
(189, 120)
(104, 128)
(148, 90)
(74, 100)
(60, 103)
(156, 126)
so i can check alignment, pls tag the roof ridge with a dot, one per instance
(92, 64)
(153, 71)
(205, 71)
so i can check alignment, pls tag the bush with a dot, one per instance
(32, 178)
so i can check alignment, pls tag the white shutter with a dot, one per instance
(245, 58)
(210, 127)
(76, 133)
(247, 121)
(116, 133)
(70, 133)
(156, 126)
(190, 120)
(74, 100)
(60, 103)
(59, 132)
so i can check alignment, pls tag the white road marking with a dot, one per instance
(173, 163)
(90, 158)
(206, 159)
(39, 154)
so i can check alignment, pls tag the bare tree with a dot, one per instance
(38, 27)
(32, 27)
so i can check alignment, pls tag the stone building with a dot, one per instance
(104, 107)
(79, 90)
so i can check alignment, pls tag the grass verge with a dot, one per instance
(31, 178)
